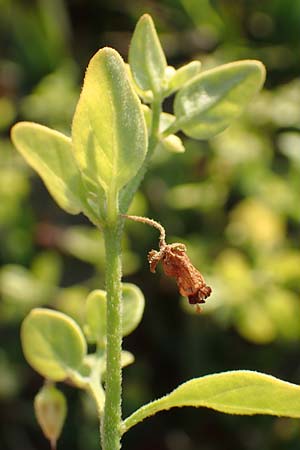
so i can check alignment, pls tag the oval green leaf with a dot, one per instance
(132, 312)
(53, 343)
(133, 307)
(146, 57)
(109, 132)
(95, 328)
(49, 153)
(237, 392)
(209, 102)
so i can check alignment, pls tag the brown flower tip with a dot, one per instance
(177, 264)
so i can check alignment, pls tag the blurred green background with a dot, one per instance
(234, 201)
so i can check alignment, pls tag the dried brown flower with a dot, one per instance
(177, 264)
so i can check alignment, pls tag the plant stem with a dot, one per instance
(111, 424)
(110, 433)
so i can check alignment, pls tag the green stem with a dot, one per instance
(110, 433)
(112, 420)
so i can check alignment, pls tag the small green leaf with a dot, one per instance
(209, 102)
(146, 57)
(183, 75)
(172, 143)
(165, 121)
(127, 358)
(169, 142)
(50, 154)
(146, 96)
(132, 312)
(237, 392)
(95, 328)
(109, 132)
(53, 343)
(133, 307)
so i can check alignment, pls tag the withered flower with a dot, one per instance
(177, 264)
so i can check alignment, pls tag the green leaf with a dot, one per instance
(132, 312)
(127, 358)
(171, 143)
(50, 154)
(109, 132)
(209, 102)
(146, 96)
(95, 328)
(165, 121)
(53, 343)
(183, 75)
(146, 57)
(237, 392)
(133, 307)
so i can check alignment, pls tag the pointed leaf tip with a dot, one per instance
(146, 57)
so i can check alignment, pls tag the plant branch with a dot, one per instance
(110, 431)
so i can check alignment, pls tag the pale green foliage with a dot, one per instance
(132, 312)
(172, 143)
(133, 307)
(146, 57)
(109, 132)
(127, 358)
(108, 146)
(50, 154)
(52, 343)
(238, 392)
(182, 75)
(207, 104)
(95, 317)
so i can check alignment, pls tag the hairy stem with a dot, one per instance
(111, 424)
(152, 223)
(110, 435)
